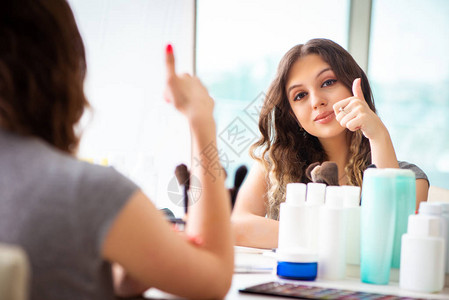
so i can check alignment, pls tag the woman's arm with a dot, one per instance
(422, 191)
(142, 241)
(124, 284)
(358, 116)
(153, 255)
(251, 228)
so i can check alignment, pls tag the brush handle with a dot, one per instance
(186, 198)
(176, 221)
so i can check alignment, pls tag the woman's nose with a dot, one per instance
(318, 100)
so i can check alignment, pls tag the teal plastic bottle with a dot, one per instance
(378, 218)
(405, 206)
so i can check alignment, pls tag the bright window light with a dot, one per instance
(409, 72)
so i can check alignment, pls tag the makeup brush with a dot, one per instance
(183, 176)
(240, 175)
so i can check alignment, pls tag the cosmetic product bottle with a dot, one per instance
(332, 237)
(422, 257)
(316, 193)
(314, 200)
(293, 218)
(378, 216)
(445, 215)
(405, 197)
(351, 202)
(436, 209)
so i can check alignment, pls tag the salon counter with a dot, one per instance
(256, 266)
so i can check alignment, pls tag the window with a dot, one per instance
(409, 73)
(239, 45)
(125, 43)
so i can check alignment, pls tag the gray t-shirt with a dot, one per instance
(419, 174)
(59, 210)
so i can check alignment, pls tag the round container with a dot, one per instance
(297, 263)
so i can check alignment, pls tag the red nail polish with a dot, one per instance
(169, 49)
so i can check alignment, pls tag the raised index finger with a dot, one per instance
(170, 61)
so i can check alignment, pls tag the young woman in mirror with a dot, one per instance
(318, 108)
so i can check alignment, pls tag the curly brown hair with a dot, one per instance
(42, 71)
(285, 148)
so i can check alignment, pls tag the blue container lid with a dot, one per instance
(299, 271)
(297, 263)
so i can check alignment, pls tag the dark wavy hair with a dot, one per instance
(285, 148)
(42, 71)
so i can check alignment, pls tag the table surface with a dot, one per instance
(257, 266)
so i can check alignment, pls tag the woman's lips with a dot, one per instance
(325, 117)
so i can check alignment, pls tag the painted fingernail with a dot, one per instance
(198, 240)
(169, 49)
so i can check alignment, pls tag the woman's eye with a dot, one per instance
(329, 82)
(299, 96)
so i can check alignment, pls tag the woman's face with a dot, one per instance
(312, 89)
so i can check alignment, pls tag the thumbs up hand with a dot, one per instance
(186, 92)
(355, 114)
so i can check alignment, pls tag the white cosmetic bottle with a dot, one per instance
(436, 210)
(351, 200)
(422, 255)
(293, 229)
(315, 193)
(332, 237)
(315, 200)
(445, 216)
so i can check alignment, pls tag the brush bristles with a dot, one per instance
(183, 175)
